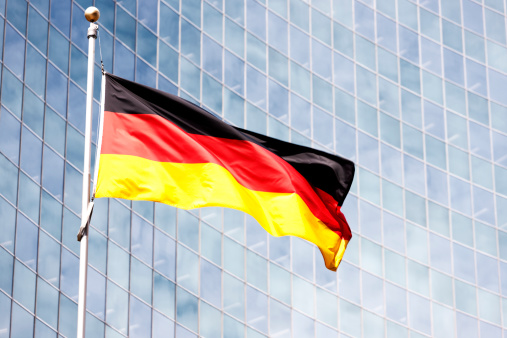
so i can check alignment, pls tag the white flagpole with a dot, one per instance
(92, 14)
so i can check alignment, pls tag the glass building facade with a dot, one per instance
(414, 92)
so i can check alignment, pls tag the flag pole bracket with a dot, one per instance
(85, 222)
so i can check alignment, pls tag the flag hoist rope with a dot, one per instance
(92, 14)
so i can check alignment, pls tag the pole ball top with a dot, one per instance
(92, 14)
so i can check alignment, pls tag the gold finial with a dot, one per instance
(92, 14)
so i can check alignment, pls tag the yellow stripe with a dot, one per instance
(196, 185)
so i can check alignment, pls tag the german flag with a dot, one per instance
(159, 147)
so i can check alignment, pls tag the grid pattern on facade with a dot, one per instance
(412, 91)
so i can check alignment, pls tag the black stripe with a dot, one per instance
(330, 173)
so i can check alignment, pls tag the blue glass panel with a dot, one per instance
(407, 13)
(209, 317)
(33, 117)
(256, 19)
(187, 269)
(234, 108)
(302, 326)
(435, 152)
(257, 309)
(77, 68)
(187, 309)
(495, 26)
(140, 319)
(474, 47)
(368, 152)
(118, 265)
(123, 62)
(96, 295)
(278, 32)
(9, 136)
(51, 215)
(234, 72)
(343, 41)
(212, 94)
(163, 295)
(480, 143)
(472, 16)
(437, 185)
(79, 30)
(192, 10)
(302, 296)
(235, 10)
(98, 247)
(22, 322)
(168, 62)
(12, 90)
(26, 241)
(77, 104)
(452, 36)
(166, 85)
(15, 58)
(391, 163)
(211, 282)
(164, 254)
(497, 81)
(431, 55)
(41, 5)
(24, 286)
(147, 44)
(278, 104)
(106, 13)
(410, 76)
(370, 221)
(49, 259)
(190, 78)
(345, 15)
(420, 316)
(372, 299)
(393, 230)
(47, 303)
(119, 220)
(413, 178)
(476, 77)
(59, 49)
(321, 57)
(162, 327)
(409, 44)
(212, 22)
(212, 59)
(386, 33)
(60, 15)
(367, 81)
(29, 197)
(322, 93)
(117, 307)
(190, 42)
(126, 28)
(35, 73)
(321, 27)
(142, 239)
(16, 14)
(69, 274)
(73, 188)
(147, 14)
(300, 46)
(234, 37)
(256, 87)
(56, 95)
(256, 52)
(430, 24)
(188, 230)
(364, 20)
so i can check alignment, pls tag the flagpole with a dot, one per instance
(92, 14)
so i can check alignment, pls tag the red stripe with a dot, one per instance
(155, 138)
